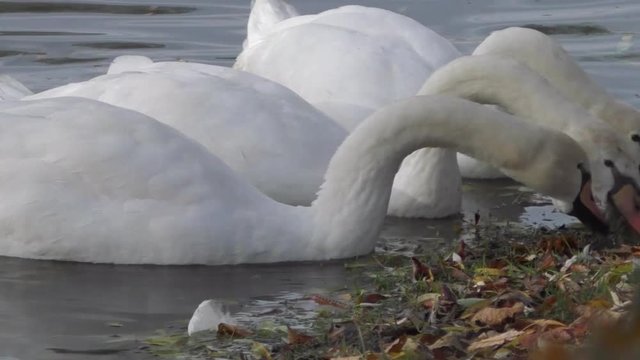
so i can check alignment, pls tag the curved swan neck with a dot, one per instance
(352, 202)
(519, 90)
(545, 56)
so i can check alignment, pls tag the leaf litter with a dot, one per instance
(502, 292)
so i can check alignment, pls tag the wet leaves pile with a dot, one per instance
(497, 294)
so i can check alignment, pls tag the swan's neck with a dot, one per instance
(517, 89)
(352, 202)
(545, 56)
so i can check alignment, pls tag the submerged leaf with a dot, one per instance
(233, 331)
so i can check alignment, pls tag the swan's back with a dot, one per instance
(351, 56)
(85, 181)
(265, 132)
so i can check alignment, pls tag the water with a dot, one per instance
(53, 310)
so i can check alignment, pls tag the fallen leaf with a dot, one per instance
(562, 244)
(260, 351)
(372, 298)
(233, 331)
(496, 316)
(295, 337)
(462, 250)
(396, 345)
(324, 300)
(555, 336)
(547, 262)
(494, 341)
(420, 270)
(459, 274)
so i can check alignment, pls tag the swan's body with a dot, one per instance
(519, 90)
(360, 59)
(262, 130)
(544, 55)
(84, 181)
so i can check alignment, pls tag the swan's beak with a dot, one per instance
(586, 210)
(625, 199)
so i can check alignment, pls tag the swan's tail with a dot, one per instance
(12, 89)
(264, 15)
(126, 63)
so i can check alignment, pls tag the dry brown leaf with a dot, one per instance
(497, 263)
(459, 274)
(544, 324)
(555, 336)
(567, 285)
(420, 270)
(396, 346)
(547, 304)
(295, 337)
(535, 285)
(497, 316)
(494, 341)
(562, 244)
(233, 331)
(372, 298)
(548, 261)
(579, 268)
(324, 300)
(462, 249)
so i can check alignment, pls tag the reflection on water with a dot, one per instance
(68, 308)
(569, 29)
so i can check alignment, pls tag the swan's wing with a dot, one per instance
(81, 180)
(262, 130)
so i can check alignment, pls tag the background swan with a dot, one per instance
(544, 55)
(361, 59)
(520, 90)
(85, 181)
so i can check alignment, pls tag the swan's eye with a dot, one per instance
(635, 138)
(608, 163)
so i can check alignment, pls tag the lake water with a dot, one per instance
(52, 310)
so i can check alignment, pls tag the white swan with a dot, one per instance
(522, 91)
(347, 61)
(359, 60)
(85, 181)
(262, 130)
(265, 132)
(544, 55)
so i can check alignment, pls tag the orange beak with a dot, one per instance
(625, 199)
